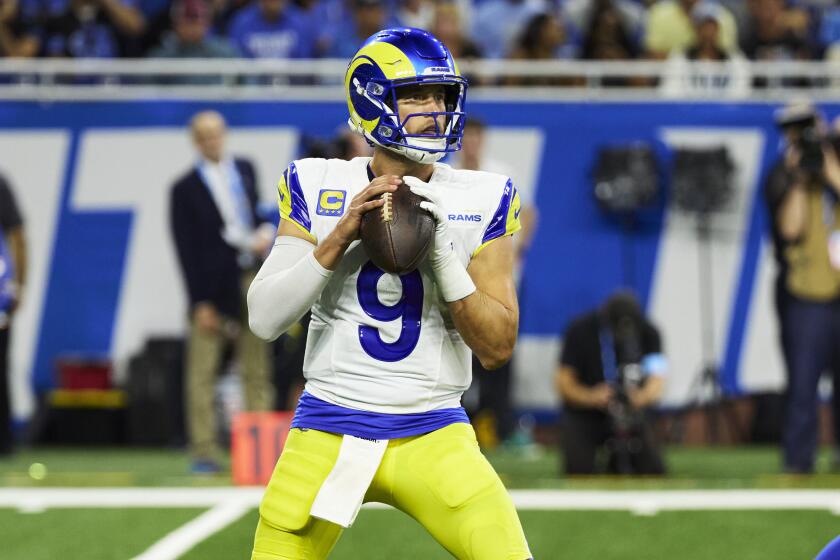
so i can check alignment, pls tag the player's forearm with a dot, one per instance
(488, 327)
(330, 251)
(287, 285)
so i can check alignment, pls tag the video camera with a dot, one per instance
(810, 139)
(627, 340)
(624, 319)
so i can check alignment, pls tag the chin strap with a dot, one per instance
(419, 156)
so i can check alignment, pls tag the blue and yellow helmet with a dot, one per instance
(399, 57)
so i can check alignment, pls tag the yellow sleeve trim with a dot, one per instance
(300, 227)
(284, 201)
(486, 243)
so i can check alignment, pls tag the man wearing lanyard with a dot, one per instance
(611, 371)
(803, 198)
(220, 244)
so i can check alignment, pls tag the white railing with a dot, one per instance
(321, 79)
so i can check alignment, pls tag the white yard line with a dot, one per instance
(38, 499)
(650, 502)
(229, 504)
(185, 537)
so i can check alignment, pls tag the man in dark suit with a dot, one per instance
(220, 244)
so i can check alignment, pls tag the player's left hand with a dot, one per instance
(443, 246)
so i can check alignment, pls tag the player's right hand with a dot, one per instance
(442, 248)
(369, 198)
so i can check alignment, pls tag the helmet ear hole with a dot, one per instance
(451, 95)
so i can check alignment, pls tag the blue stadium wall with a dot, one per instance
(70, 162)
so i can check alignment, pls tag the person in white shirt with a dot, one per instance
(220, 242)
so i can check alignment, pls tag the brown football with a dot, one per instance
(398, 235)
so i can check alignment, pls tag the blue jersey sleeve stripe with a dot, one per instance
(300, 212)
(498, 224)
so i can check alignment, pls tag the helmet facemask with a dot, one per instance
(391, 133)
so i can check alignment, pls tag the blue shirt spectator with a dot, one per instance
(34, 10)
(369, 16)
(324, 17)
(191, 21)
(272, 29)
(89, 28)
(498, 23)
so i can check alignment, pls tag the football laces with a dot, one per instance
(388, 207)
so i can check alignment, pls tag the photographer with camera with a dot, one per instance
(611, 372)
(803, 198)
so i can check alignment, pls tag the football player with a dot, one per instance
(388, 357)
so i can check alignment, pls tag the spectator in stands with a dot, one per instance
(324, 18)
(272, 29)
(670, 28)
(606, 29)
(611, 372)
(369, 16)
(499, 23)
(12, 280)
(448, 27)
(803, 198)
(91, 29)
(543, 38)
(16, 39)
(738, 9)
(223, 13)
(157, 16)
(220, 243)
(415, 13)
(828, 24)
(190, 37)
(608, 33)
(775, 32)
(681, 79)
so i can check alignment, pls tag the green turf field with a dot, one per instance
(387, 534)
(110, 534)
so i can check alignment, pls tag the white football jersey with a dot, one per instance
(382, 342)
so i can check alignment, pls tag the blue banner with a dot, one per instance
(578, 256)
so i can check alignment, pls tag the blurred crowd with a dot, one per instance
(518, 29)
